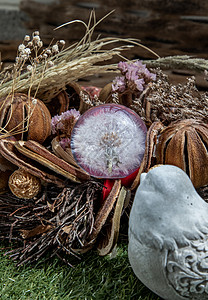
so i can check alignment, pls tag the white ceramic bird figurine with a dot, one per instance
(168, 235)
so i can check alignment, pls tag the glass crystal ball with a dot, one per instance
(108, 141)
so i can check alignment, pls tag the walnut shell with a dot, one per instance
(185, 144)
(16, 109)
(24, 185)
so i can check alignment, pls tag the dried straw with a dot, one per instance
(77, 61)
(179, 62)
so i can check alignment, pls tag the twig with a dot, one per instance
(71, 221)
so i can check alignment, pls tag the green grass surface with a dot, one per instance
(93, 277)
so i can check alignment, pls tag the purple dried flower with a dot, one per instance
(119, 84)
(54, 121)
(135, 77)
(132, 73)
(65, 143)
(63, 123)
(60, 125)
(70, 113)
(140, 84)
(123, 67)
(148, 75)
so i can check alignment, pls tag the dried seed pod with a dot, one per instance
(41, 155)
(78, 97)
(9, 151)
(24, 185)
(111, 229)
(71, 96)
(58, 104)
(6, 169)
(106, 93)
(64, 154)
(185, 144)
(25, 117)
(104, 211)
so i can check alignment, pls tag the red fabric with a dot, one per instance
(108, 184)
(126, 181)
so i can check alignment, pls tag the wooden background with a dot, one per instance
(168, 27)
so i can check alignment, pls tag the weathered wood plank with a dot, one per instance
(167, 27)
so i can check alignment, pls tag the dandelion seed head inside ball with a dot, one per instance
(108, 141)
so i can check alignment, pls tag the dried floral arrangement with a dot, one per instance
(49, 203)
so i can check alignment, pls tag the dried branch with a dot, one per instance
(48, 76)
(59, 224)
(167, 102)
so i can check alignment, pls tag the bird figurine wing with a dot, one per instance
(168, 235)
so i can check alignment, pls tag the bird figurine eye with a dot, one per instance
(108, 141)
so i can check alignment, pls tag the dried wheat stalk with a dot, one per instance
(179, 62)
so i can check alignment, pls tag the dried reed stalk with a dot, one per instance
(51, 81)
(179, 62)
(77, 61)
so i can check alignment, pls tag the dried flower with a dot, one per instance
(50, 63)
(62, 42)
(48, 51)
(24, 56)
(135, 77)
(30, 44)
(27, 38)
(40, 44)
(27, 51)
(65, 143)
(168, 102)
(21, 47)
(62, 125)
(36, 38)
(119, 84)
(55, 49)
(29, 68)
(108, 141)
